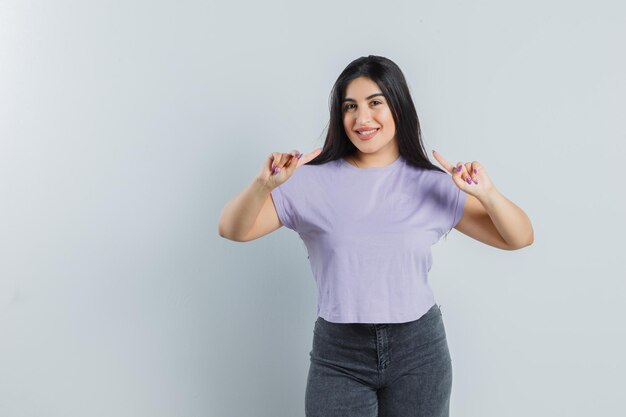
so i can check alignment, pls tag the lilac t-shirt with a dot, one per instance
(368, 233)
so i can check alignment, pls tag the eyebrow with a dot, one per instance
(366, 98)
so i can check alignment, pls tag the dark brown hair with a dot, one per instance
(389, 78)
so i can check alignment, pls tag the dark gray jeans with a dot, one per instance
(380, 370)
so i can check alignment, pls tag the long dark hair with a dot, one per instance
(392, 83)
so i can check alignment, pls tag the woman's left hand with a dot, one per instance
(470, 177)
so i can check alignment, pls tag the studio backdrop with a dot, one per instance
(125, 127)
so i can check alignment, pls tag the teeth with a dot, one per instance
(367, 132)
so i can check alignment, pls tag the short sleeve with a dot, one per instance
(284, 207)
(451, 202)
(459, 206)
(289, 199)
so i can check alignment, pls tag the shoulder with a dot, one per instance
(426, 177)
(308, 175)
(320, 169)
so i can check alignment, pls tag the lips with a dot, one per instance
(368, 136)
(365, 129)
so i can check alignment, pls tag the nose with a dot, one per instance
(363, 116)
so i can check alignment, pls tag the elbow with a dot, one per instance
(220, 230)
(524, 240)
(530, 239)
(222, 233)
(522, 245)
(232, 238)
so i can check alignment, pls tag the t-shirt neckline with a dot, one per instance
(373, 169)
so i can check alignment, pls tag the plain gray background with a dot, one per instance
(126, 126)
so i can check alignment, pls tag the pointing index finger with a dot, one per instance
(442, 161)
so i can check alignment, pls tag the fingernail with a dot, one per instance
(299, 155)
(273, 166)
(475, 182)
(468, 180)
(475, 171)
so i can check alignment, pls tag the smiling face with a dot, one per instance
(365, 108)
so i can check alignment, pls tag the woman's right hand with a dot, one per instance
(278, 167)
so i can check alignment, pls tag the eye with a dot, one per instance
(347, 106)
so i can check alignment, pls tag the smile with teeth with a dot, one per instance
(367, 134)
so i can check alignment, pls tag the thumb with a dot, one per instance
(285, 169)
(457, 176)
(292, 163)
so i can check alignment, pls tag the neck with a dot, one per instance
(361, 160)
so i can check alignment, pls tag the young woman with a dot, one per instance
(369, 205)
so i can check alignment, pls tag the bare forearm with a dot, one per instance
(240, 213)
(510, 220)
